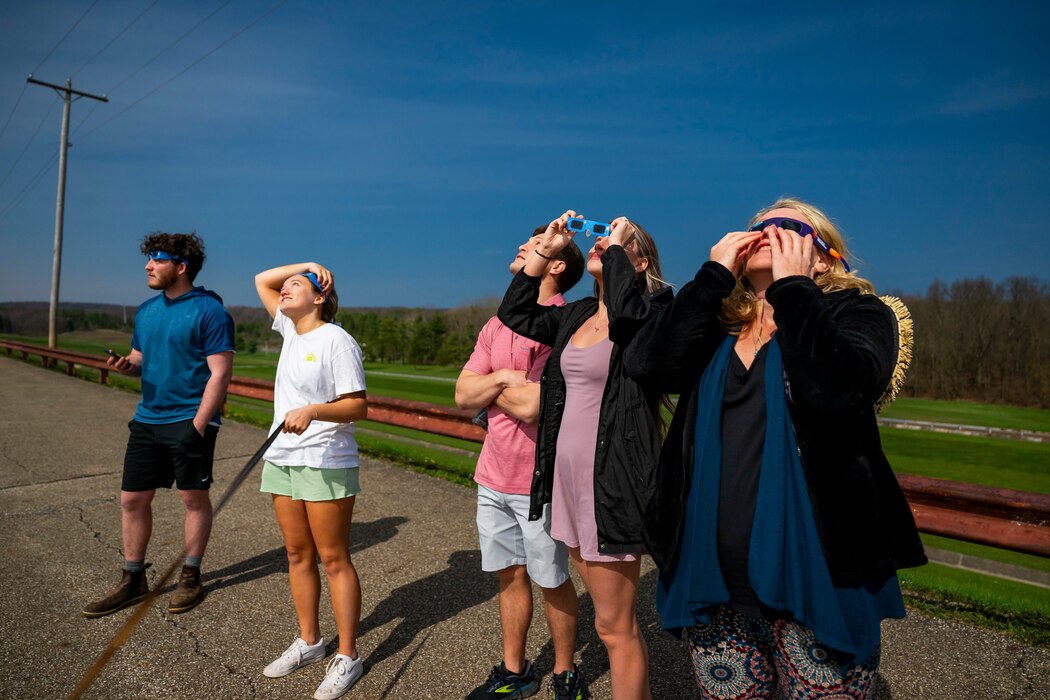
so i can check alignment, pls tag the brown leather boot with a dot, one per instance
(187, 592)
(131, 589)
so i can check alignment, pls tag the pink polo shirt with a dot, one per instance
(508, 456)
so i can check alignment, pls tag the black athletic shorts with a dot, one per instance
(160, 455)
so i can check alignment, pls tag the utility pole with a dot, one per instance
(66, 93)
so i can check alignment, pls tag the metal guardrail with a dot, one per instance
(957, 429)
(1002, 518)
(417, 415)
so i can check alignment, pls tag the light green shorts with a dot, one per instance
(310, 484)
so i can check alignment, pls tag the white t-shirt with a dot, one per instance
(315, 367)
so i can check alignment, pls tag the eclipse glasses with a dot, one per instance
(315, 283)
(161, 255)
(802, 229)
(597, 228)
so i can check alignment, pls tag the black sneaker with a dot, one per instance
(504, 684)
(569, 685)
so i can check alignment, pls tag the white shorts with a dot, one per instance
(509, 538)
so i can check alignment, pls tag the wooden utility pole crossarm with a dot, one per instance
(66, 93)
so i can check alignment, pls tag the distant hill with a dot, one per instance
(30, 317)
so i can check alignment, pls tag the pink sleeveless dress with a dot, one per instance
(572, 500)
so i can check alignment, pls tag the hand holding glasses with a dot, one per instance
(802, 229)
(588, 227)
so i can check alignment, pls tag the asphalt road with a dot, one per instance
(430, 619)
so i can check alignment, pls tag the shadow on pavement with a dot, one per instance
(362, 535)
(428, 601)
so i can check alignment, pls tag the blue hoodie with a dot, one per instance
(175, 337)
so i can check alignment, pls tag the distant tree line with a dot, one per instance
(974, 338)
(30, 318)
(419, 336)
(981, 340)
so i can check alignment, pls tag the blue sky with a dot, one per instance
(411, 146)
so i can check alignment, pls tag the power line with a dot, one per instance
(44, 60)
(4, 130)
(155, 57)
(86, 117)
(191, 65)
(29, 142)
(114, 39)
(64, 36)
(169, 46)
(25, 190)
(36, 178)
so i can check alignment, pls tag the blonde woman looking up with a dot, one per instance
(776, 521)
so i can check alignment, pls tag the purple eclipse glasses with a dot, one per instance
(802, 229)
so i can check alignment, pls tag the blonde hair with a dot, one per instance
(742, 304)
(651, 279)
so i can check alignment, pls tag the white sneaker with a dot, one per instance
(299, 654)
(340, 674)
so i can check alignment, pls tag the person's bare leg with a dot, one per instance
(198, 520)
(614, 590)
(330, 526)
(515, 614)
(303, 577)
(562, 607)
(136, 522)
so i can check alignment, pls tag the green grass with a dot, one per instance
(456, 468)
(970, 413)
(978, 460)
(434, 371)
(1020, 610)
(397, 431)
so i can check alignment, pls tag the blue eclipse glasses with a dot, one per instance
(802, 229)
(316, 284)
(598, 228)
(161, 255)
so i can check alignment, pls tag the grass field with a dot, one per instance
(970, 413)
(1008, 464)
(1021, 610)
(1017, 609)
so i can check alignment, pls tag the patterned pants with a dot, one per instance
(737, 657)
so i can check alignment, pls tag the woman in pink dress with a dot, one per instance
(598, 439)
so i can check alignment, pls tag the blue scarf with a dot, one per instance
(786, 566)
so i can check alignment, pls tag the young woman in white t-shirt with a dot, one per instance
(311, 468)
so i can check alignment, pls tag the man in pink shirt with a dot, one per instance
(503, 376)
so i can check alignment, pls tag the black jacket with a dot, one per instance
(628, 443)
(839, 351)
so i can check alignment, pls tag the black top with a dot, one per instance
(743, 436)
(628, 440)
(839, 350)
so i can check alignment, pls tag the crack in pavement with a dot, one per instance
(95, 533)
(1029, 682)
(5, 455)
(58, 481)
(49, 510)
(205, 655)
